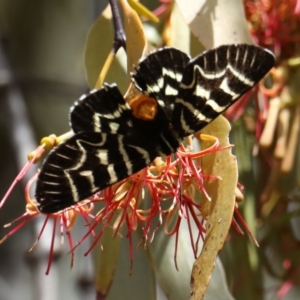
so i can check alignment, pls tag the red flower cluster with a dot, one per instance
(165, 193)
(275, 25)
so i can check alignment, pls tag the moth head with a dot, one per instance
(143, 107)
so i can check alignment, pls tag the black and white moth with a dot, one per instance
(111, 142)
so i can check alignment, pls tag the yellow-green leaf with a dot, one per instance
(106, 261)
(136, 42)
(220, 209)
(99, 57)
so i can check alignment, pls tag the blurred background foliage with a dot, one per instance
(42, 73)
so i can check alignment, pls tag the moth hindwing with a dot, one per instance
(111, 142)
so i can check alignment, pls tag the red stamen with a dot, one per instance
(22, 173)
(51, 247)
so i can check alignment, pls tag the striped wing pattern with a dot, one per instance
(207, 85)
(86, 163)
(101, 110)
(163, 70)
(110, 143)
